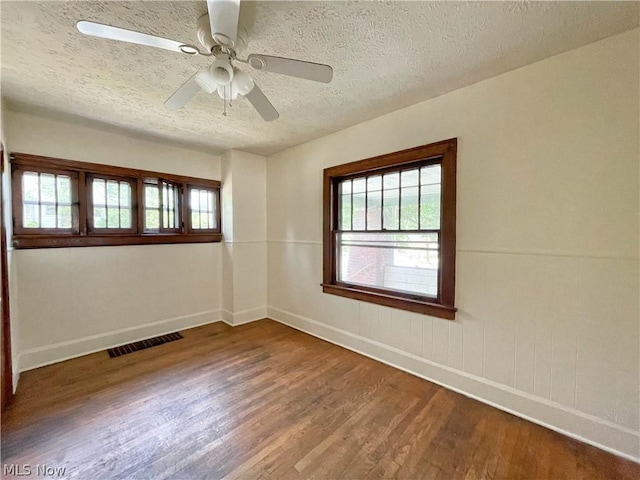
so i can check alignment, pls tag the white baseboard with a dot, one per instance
(244, 316)
(595, 431)
(227, 317)
(58, 352)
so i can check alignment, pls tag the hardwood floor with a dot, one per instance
(266, 401)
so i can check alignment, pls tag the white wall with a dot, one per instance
(547, 256)
(244, 223)
(75, 300)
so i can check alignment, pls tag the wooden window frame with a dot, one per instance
(444, 153)
(216, 199)
(83, 234)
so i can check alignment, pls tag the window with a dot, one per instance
(161, 201)
(111, 205)
(44, 201)
(62, 203)
(203, 207)
(389, 229)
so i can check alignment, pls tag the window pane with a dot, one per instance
(99, 217)
(152, 220)
(210, 209)
(430, 206)
(345, 212)
(47, 216)
(165, 195)
(431, 174)
(151, 199)
(359, 211)
(171, 197)
(113, 193)
(99, 197)
(204, 220)
(64, 217)
(396, 261)
(391, 209)
(31, 216)
(30, 188)
(204, 200)
(113, 217)
(47, 188)
(391, 181)
(409, 178)
(374, 212)
(125, 218)
(409, 208)
(125, 194)
(374, 183)
(194, 201)
(345, 187)
(195, 220)
(359, 185)
(64, 189)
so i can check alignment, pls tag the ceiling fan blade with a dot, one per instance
(262, 104)
(317, 72)
(223, 18)
(123, 35)
(183, 94)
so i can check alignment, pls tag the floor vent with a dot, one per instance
(142, 344)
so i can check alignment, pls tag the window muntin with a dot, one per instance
(111, 204)
(46, 202)
(93, 205)
(202, 209)
(389, 229)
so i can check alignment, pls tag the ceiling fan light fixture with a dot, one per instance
(221, 71)
(242, 82)
(205, 81)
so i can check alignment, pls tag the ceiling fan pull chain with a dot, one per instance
(224, 99)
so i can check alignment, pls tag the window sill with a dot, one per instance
(60, 241)
(412, 305)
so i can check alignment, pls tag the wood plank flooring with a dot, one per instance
(264, 401)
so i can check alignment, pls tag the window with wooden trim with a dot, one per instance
(63, 203)
(110, 204)
(389, 229)
(46, 201)
(161, 206)
(202, 207)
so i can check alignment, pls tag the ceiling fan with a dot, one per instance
(222, 38)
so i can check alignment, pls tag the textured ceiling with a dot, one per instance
(386, 55)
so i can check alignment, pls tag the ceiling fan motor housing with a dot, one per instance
(207, 41)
